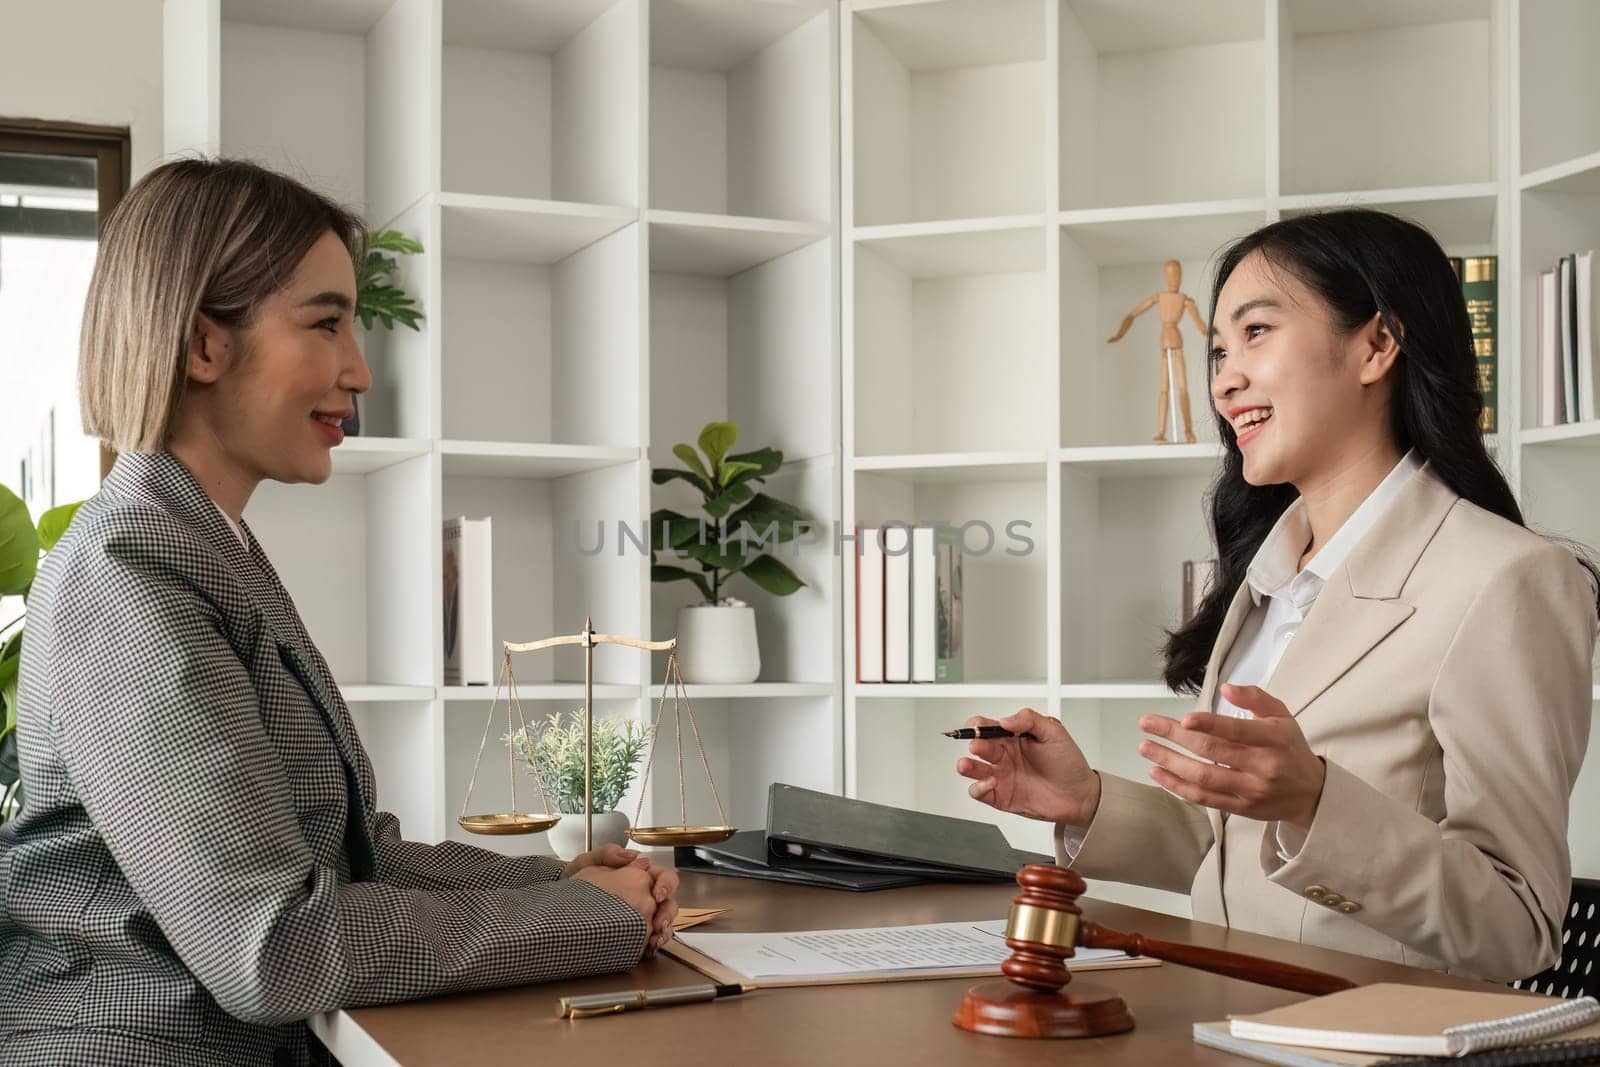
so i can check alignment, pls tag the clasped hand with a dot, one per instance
(1261, 768)
(626, 873)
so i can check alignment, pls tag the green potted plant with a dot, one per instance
(732, 537)
(21, 546)
(378, 298)
(556, 752)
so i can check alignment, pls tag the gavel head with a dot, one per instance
(1042, 930)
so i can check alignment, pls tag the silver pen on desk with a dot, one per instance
(595, 1004)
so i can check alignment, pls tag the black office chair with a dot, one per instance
(1576, 975)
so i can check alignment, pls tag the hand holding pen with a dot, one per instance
(1047, 778)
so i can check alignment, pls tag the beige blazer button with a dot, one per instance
(1348, 906)
(1333, 900)
(1316, 893)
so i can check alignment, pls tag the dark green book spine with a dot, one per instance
(1480, 287)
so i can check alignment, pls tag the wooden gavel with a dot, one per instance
(1046, 926)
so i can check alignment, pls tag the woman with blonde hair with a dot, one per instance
(199, 864)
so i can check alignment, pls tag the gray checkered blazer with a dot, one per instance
(198, 866)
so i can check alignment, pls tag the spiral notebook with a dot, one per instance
(1389, 1019)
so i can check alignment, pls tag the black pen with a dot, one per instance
(985, 733)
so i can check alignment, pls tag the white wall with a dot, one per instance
(95, 61)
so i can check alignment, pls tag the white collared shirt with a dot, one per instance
(1289, 592)
(235, 527)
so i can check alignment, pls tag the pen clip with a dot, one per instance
(590, 1013)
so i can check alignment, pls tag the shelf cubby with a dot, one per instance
(1133, 89)
(1558, 217)
(939, 93)
(1560, 97)
(952, 342)
(1125, 538)
(560, 556)
(741, 109)
(1427, 66)
(1006, 542)
(282, 65)
(1109, 393)
(541, 99)
(359, 582)
(538, 349)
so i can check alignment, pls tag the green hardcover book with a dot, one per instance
(947, 641)
(1480, 287)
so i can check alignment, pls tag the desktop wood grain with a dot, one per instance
(898, 1022)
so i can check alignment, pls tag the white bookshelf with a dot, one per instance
(889, 237)
(1117, 136)
(629, 211)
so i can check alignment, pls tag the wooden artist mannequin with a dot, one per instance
(1170, 306)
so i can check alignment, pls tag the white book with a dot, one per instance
(896, 604)
(468, 603)
(1568, 348)
(1551, 393)
(1584, 268)
(869, 607)
(924, 603)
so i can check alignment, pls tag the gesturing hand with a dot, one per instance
(1261, 768)
(1047, 778)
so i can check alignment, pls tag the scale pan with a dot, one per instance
(681, 835)
(508, 823)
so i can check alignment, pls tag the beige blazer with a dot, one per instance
(1444, 675)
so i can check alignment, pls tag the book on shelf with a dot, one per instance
(1480, 290)
(935, 605)
(896, 603)
(468, 602)
(869, 605)
(1567, 344)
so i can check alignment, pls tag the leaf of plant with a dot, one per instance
(773, 575)
(732, 468)
(691, 459)
(19, 545)
(8, 757)
(768, 459)
(663, 475)
(729, 557)
(54, 523)
(716, 438)
(719, 506)
(762, 511)
(660, 572)
(393, 241)
(681, 529)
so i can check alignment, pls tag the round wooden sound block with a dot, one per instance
(1005, 1009)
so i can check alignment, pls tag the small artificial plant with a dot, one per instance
(739, 524)
(377, 297)
(556, 752)
(21, 546)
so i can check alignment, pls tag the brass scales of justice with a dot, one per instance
(520, 822)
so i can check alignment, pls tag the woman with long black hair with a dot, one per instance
(1393, 673)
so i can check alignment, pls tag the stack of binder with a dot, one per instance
(833, 842)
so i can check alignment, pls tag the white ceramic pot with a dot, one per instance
(717, 644)
(566, 836)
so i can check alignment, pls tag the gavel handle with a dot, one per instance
(1233, 964)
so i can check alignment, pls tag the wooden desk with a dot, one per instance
(883, 1024)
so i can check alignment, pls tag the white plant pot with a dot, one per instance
(566, 836)
(717, 644)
